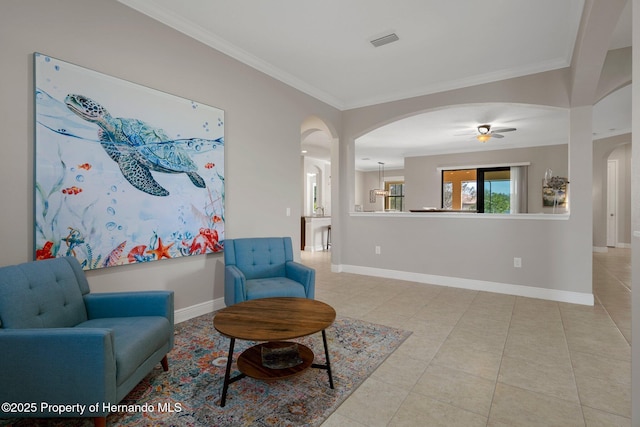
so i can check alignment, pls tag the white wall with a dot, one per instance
(263, 122)
(322, 170)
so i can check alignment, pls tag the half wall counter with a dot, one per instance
(315, 232)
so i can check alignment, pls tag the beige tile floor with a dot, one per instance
(483, 359)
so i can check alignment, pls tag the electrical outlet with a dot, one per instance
(517, 262)
(377, 250)
(288, 211)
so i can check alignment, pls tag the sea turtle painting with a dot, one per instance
(136, 147)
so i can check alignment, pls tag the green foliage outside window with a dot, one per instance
(496, 202)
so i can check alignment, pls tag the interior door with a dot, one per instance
(612, 203)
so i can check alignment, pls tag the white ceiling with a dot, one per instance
(453, 130)
(323, 49)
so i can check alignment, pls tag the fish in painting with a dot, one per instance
(72, 190)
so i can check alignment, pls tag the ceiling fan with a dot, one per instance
(485, 132)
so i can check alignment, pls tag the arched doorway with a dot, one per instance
(612, 170)
(318, 145)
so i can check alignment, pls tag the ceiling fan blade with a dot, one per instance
(503, 130)
(496, 135)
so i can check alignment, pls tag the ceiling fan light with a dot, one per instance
(484, 129)
(483, 137)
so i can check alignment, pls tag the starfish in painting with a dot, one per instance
(161, 251)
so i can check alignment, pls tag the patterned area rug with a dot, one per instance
(193, 385)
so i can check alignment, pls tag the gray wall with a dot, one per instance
(479, 248)
(263, 122)
(556, 255)
(369, 180)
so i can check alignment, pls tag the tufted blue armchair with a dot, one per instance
(263, 267)
(60, 344)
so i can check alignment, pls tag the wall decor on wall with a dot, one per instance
(123, 173)
(554, 191)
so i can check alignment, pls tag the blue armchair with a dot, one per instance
(60, 344)
(263, 267)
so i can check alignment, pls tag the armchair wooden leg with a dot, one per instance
(100, 421)
(165, 363)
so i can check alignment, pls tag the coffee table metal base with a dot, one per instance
(250, 364)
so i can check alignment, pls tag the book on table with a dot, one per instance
(281, 357)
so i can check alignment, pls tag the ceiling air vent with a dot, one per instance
(381, 41)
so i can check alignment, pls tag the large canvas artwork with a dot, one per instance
(123, 173)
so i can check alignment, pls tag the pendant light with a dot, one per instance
(380, 191)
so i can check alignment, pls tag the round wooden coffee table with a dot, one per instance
(273, 320)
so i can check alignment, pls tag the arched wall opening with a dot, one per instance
(414, 144)
(319, 159)
(430, 247)
(612, 162)
(612, 170)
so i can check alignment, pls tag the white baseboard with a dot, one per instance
(187, 313)
(477, 285)
(605, 249)
(314, 248)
